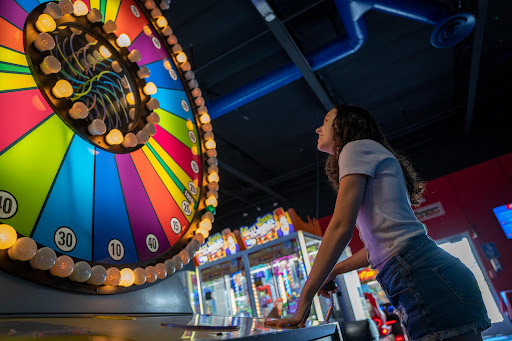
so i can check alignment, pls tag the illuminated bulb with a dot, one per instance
(177, 49)
(206, 127)
(53, 10)
(185, 67)
(212, 161)
(130, 99)
(134, 56)
(196, 92)
(50, 65)
(190, 125)
(139, 276)
(8, 236)
(211, 153)
(185, 256)
(167, 65)
(142, 137)
(155, 13)
(91, 39)
(151, 274)
(114, 137)
(213, 169)
(125, 83)
(199, 101)
(44, 259)
(203, 232)
(109, 27)
(164, 5)
(24, 248)
(150, 89)
(206, 224)
(11, 254)
(204, 118)
(161, 271)
(169, 265)
(80, 8)
(143, 72)
(116, 66)
(127, 277)
(105, 53)
(194, 150)
(211, 201)
(98, 275)
(129, 140)
(181, 57)
(199, 238)
(212, 193)
(208, 136)
(161, 22)
(178, 263)
(172, 39)
(167, 31)
(113, 277)
(214, 177)
(193, 84)
(45, 23)
(149, 4)
(78, 111)
(94, 16)
(152, 104)
(147, 30)
(97, 127)
(123, 40)
(150, 129)
(75, 30)
(82, 272)
(131, 113)
(208, 215)
(66, 6)
(62, 89)
(213, 185)
(202, 110)
(153, 118)
(63, 267)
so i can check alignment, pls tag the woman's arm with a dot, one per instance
(336, 237)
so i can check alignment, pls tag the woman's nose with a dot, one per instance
(318, 130)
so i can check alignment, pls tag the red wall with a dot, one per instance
(468, 197)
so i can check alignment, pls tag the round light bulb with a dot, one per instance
(161, 271)
(152, 104)
(130, 99)
(150, 129)
(91, 39)
(139, 276)
(66, 6)
(212, 161)
(213, 185)
(155, 13)
(80, 8)
(161, 22)
(172, 40)
(208, 136)
(190, 125)
(203, 232)
(147, 31)
(50, 65)
(127, 277)
(199, 101)
(204, 118)
(8, 236)
(105, 53)
(211, 201)
(143, 72)
(200, 238)
(164, 5)
(109, 27)
(181, 57)
(178, 262)
(151, 274)
(78, 111)
(196, 92)
(185, 256)
(134, 56)
(24, 248)
(149, 4)
(113, 277)
(116, 66)
(129, 140)
(167, 31)
(212, 193)
(208, 215)
(63, 267)
(44, 42)
(123, 40)
(194, 150)
(53, 10)
(177, 49)
(45, 23)
(169, 265)
(150, 89)
(211, 153)
(62, 89)
(98, 275)
(210, 144)
(206, 127)
(214, 177)
(167, 64)
(206, 223)
(94, 15)
(153, 118)
(114, 137)
(97, 127)
(185, 67)
(82, 272)
(44, 259)
(142, 137)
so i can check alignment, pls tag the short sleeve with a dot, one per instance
(360, 157)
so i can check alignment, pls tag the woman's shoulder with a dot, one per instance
(365, 145)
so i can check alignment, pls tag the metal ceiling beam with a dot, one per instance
(251, 181)
(478, 40)
(285, 39)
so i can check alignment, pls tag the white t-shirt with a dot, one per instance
(385, 219)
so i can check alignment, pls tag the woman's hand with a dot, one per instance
(299, 319)
(323, 291)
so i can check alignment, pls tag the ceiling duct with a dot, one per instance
(449, 29)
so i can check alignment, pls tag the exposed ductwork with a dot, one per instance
(449, 29)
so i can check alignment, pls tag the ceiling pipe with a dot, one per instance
(449, 30)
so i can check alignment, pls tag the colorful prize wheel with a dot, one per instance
(108, 168)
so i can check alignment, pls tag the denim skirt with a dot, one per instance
(438, 296)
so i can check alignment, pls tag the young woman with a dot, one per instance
(438, 297)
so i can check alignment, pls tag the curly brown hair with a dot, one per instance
(353, 123)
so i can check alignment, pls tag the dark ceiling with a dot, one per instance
(421, 95)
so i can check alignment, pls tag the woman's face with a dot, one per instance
(325, 138)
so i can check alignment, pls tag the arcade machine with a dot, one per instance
(108, 176)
